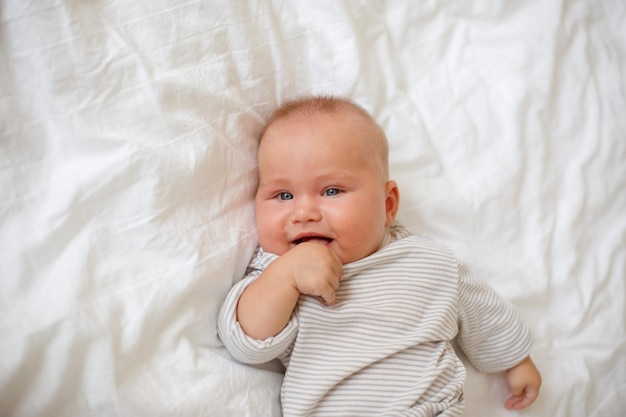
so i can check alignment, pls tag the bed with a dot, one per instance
(127, 155)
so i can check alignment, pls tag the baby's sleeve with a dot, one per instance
(491, 331)
(243, 347)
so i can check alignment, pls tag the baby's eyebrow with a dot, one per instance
(335, 174)
(272, 183)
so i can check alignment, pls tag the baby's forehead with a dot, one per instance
(360, 131)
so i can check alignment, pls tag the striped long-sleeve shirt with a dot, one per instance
(384, 348)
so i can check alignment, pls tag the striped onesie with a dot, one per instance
(384, 348)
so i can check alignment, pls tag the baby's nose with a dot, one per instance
(305, 210)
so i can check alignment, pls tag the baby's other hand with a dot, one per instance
(524, 382)
(316, 270)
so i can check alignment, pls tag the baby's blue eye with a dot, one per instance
(285, 196)
(331, 192)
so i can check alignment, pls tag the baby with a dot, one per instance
(360, 311)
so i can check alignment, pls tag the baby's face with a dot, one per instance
(317, 182)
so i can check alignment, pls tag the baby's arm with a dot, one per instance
(266, 305)
(495, 338)
(524, 382)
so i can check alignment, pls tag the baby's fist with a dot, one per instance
(316, 270)
(524, 382)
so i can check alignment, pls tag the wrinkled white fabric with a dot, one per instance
(127, 166)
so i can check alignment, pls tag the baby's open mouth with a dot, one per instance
(321, 240)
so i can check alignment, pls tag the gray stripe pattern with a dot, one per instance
(384, 348)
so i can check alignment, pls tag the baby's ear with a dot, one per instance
(392, 201)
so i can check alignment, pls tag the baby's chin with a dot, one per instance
(349, 257)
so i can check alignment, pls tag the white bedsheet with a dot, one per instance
(127, 167)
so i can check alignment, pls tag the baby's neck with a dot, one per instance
(386, 239)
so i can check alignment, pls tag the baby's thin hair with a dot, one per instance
(314, 105)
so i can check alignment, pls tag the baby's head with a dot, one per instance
(323, 177)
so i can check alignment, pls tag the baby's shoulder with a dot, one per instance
(260, 260)
(401, 237)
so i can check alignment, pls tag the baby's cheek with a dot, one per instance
(274, 240)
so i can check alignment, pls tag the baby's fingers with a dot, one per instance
(327, 295)
(521, 400)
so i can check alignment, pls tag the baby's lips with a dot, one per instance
(319, 241)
